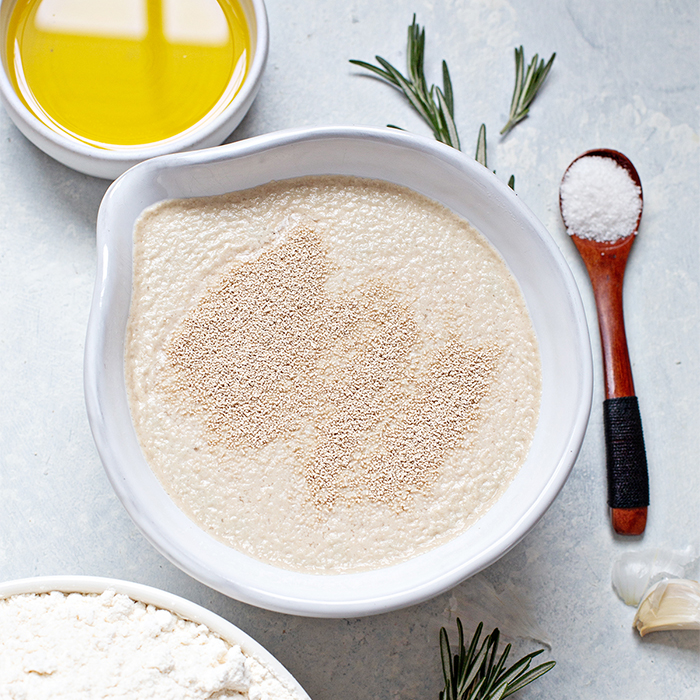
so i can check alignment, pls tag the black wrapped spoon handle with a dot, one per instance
(628, 481)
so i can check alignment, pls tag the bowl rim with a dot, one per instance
(159, 598)
(31, 126)
(406, 594)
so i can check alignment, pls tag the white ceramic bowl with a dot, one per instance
(435, 170)
(161, 599)
(110, 164)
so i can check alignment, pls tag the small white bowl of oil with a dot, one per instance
(102, 85)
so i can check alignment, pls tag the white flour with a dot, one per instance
(82, 646)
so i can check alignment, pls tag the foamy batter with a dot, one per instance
(329, 374)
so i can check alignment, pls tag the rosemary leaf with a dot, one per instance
(499, 692)
(480, 155)
(446, 665)
(529, 677)
(447, 83)
(527, 84)
(447, 123)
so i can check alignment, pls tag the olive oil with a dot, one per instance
(126, 73)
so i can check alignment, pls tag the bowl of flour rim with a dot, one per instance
(437, 171)
(162, 600)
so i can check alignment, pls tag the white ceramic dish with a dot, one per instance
(110, 164)
(426, 166)
(161, 599)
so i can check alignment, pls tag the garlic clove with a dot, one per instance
(633, 573)
(669, 605)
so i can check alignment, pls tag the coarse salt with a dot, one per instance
(599, 199)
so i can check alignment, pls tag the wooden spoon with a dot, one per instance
(628, 482)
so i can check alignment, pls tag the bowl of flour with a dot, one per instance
(333, 371)
(90, 637)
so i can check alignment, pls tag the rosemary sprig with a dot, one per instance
(476, 674)
(527, 84)
(435, 105)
